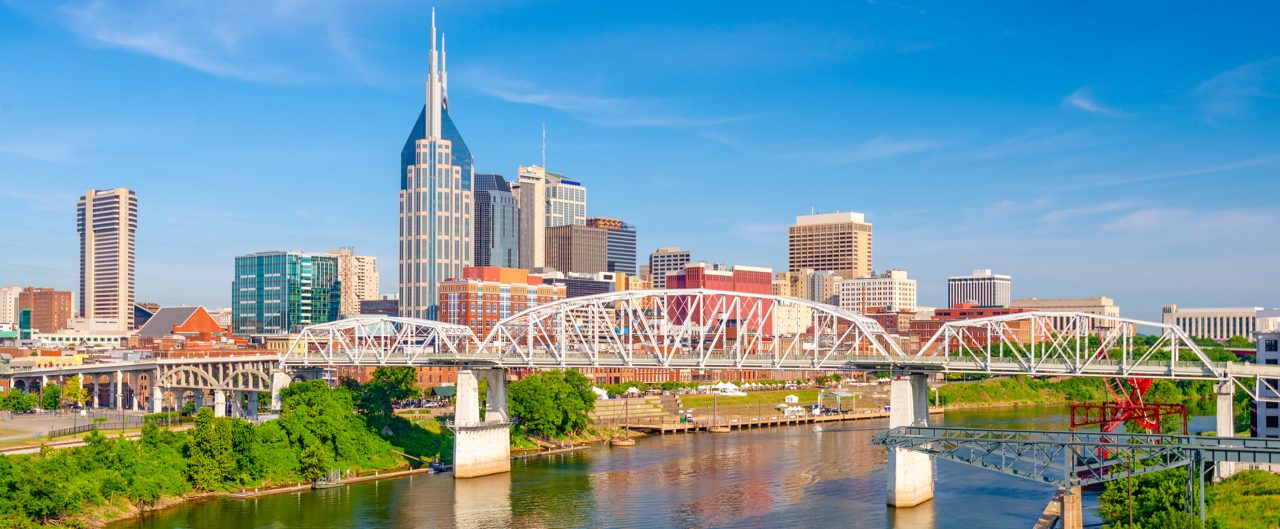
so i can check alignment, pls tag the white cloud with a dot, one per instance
(1119, 179)
(1083, 99)
(1065, 214)
(590, 108)
(223, 38)
(877, 148)
(1038, 142)
(1234, 91)
(1186, 222)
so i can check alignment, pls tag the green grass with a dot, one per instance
(1020, 390)
(1249, 500)
(807, 396)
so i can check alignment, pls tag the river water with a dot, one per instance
(782, 477)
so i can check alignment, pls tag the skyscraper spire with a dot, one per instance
(444, 75)
(434, 93)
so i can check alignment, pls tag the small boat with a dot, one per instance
(334, 479)
(817, 429)
(622, 441)
(436, 468)
(718, 429)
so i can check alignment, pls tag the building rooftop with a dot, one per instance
(830, 218)
(164, 320)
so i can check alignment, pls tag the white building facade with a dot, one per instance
(892, 291)
(1221, 323)
(9, 304)
(981, 288)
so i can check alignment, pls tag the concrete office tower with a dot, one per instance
(546, 200)
(839, 242)
(622, 244)
(9, 304)
(107, 221)
(666, 260)
(580, 249)
(358, 277)
(891, 291)
(282, 292)
(50, 309)
(824, 287)
(981, 288)
(435, 197)
(497, 220)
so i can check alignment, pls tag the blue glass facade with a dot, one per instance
(282, 292)
(497, 222)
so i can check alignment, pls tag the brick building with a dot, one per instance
(50, 309)
(486, 294)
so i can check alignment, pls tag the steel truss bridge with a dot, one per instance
(1071, 459)
(710, 329)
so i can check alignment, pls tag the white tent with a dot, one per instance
(601, 394)
(791, 399)
(633, 390)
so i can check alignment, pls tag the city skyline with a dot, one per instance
(1084, 179)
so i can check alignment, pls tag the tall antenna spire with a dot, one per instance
(434, 96)
(544, 145)
(444, 75)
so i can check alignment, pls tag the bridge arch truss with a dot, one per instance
(377, 341)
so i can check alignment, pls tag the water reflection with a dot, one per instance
(786, 477)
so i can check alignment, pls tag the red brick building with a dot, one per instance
(749, 279)
(50, 309)
(485, 295)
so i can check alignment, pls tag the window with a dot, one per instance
(1271, 346)
(1273, 421)
(1273, 405)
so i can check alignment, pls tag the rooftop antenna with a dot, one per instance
(544, 145)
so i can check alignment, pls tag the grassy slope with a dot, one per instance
(807, 396)
(1019, 390)
(1249, 500)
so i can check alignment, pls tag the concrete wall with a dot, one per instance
(910, 474)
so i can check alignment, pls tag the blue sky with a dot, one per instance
(1086, 148)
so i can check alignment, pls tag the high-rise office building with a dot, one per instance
(435, 198)
(981, 288)
(497, 221)
(282, 292)
(666, 260)
(824, 287)
(839, 242)
(622, 244)
(546, 200)
(9, 304)
(358, 277)
(107, 221)
(891, 291)
(50, 309)
(580, 249)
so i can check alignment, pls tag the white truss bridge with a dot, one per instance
(709, 329)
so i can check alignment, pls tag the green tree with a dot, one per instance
(552, 403)
(74, 392)
(51, 399)
(376, 399)
(1240, 342)
(210, 459)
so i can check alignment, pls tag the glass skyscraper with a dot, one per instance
(436, 170)
(621, 239)
(282, 292)
(497, 220)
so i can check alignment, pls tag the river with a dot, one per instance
(782, 477)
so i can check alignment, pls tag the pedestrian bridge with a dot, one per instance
(709, 329)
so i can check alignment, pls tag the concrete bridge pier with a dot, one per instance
(219, 403)
(279, 379)
(251, 411)
(1226, 425)
(481, 446)
(910, 477)
(157, 399)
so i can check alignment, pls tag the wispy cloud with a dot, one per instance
(1198, 221)
(1233, 92)
(1083, 99)
(41, 200)
(1136, 177)
(877, 148)
(896, 5)
(1036, 142)
(759, 231)
(224, 38)
(1059, 216)
(591, 108)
